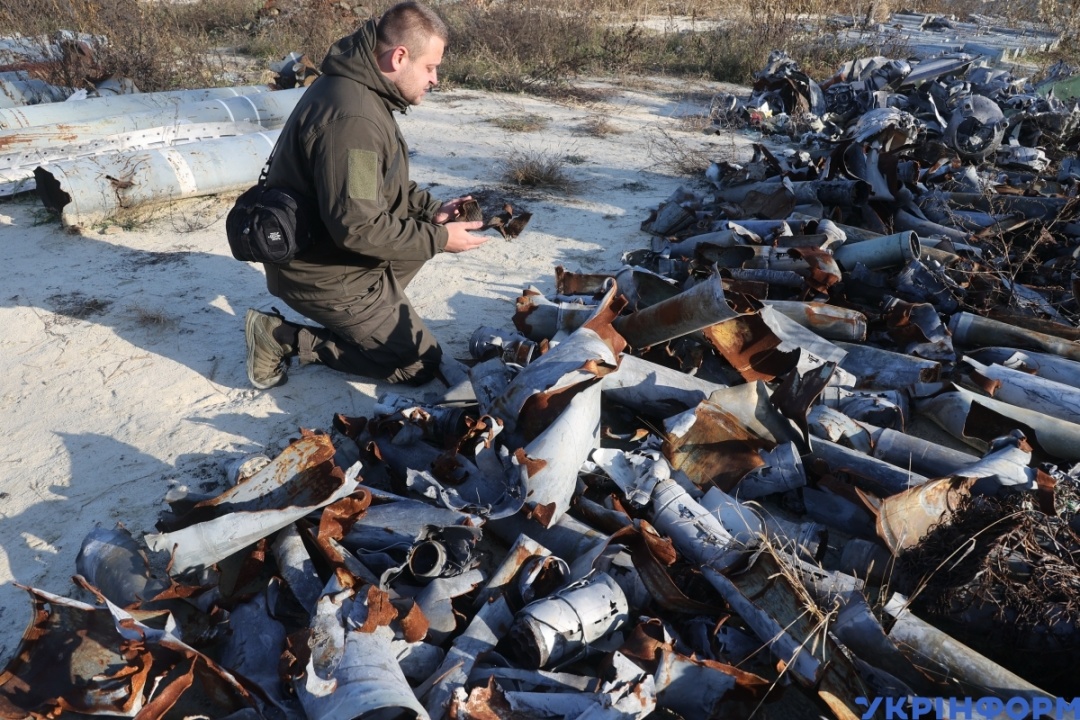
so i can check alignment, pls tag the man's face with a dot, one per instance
(419, 73)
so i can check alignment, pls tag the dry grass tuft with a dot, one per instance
(537, 169)
(521, 123)
(599, 126)
(151, 318)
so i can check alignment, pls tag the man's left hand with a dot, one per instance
(450, 210)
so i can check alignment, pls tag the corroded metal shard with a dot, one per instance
(301, 479)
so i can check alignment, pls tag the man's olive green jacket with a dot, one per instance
(341, 149)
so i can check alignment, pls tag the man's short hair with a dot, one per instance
(410, 24)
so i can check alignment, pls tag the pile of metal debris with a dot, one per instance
(835, 400)
(998, 39)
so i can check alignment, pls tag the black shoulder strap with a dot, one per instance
(266, 168)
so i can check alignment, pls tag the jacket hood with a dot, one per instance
(354, 57)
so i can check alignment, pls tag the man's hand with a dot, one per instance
(450, 210)
(461, 239)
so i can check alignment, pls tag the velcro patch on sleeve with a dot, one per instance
(363, 174)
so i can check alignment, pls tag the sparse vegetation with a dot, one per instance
(151, 318)
(679, 156)
(537, 169)
(599, 126)
(536, 46)
(530, 122)
(43, 216)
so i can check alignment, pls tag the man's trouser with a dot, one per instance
(378, 335)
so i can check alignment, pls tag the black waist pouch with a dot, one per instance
(268, 225)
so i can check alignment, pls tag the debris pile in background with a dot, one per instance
(817, 445)
(999, 39)
(26, 64)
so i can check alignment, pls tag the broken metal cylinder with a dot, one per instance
(540, 319)
(267, 111)
(689, 311)
(783, 470)
(883, 252)
(696, 533)
(564, 625)
(878, 368)
(512, 347)
(73, 111)
(976, 128)
(866, 559)
(1025, 390)
(976, 331)
(831, 322)
(113, 562)
(428, 559)
(356, 676)
(867, 472)
(916, 454)
(934, 650)
(75, 188)
(807, 541)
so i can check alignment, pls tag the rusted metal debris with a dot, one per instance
(687, 485)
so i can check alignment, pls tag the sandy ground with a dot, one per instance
(122, 350)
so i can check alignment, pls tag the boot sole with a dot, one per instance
(249, 339)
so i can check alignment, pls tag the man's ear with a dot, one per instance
(398, 56)
(391, 60)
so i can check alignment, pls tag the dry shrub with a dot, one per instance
(155, 45)
(1004, 577)
(308, 27)
(167, 45)
(517, 46)
(677, 156)
(537, 169)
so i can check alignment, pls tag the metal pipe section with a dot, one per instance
(875, 475)
(1044, 365)
(917, 455)
(906, 221)
(721, 238)
(360, 679)
(689, 311)
(17, 168)
(89, 190)
(877, 368)
(976, 331)
(831, 322)
(845, 193)
(266, 110)
(1030, 391)
(883, 252)
(563, 626)
(695, 532)
(929, 647)
(79, 111)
